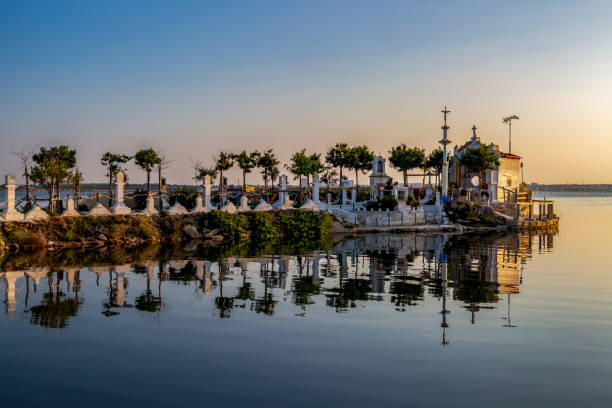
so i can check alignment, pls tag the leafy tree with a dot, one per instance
(479, 159)
(274, 173)
(77, 177)
(405, 158)
(267, 162)
(247, 162)
(435, 161)
(146, 159)
(360, 159)
(300, 165)
(337, 156)
(53, 166)
(223, 162)
(315, 167)
(202, 172)
(329, 175)
(114, 164)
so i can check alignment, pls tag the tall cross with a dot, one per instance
(445, 112)
(474, 132)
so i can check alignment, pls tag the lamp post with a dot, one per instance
(509, 120)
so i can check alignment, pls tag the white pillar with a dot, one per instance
(316, 185)
(354, 195)
(207, 192)
(344, 196)
(9, 290)
(119, 207)
(282, 187)
(11, 213)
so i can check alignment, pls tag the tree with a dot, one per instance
(405, 158)
(480, 159)
(77, 177)
(205, 171)
(52, 167)
(223, 162)
(300, 165)
(247, 162)
(146, 159)
(114, 164)
(337, 156)
(360, 159)
(267, 162)
(329, 175)
(26, 163)
(315, 167)
(435, 161)
(274, 173)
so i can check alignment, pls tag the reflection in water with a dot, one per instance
(403, 271)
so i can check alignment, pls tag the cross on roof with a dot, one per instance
(474, 132)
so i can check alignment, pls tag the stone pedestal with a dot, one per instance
(244, 204)
(282, 184)
(344, 197)
(10, 213)
(199, 207)
(263, 206)
(150, 208)
(70, 211)
(229, 207)
(119, 207)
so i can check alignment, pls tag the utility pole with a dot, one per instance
(509, 120)
(444, 142)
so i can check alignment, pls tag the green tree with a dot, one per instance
(223, 162)
(299, 165)
(479, 159)
(274, 173)
(114, 163)
(435, 161)
(329, 175)
(405, 158)
(146, 159)
(267, 162)
(77, 177)
(360, 159)
(202, 172)
(247, 162)
(53, 166)
(314, 167)
(337, 156)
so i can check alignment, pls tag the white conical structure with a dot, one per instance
(263, 206)
(229, 208)
(244, 204)
(177, 209)
(150, 208)
(199, 206)
(70, 211)
(36, 214)
(287, 204)
(99, 210)
(310, 205)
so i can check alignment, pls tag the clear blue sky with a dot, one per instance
(192, 78)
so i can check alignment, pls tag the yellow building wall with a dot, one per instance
(509, 173)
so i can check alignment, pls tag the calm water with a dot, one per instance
(527, 322)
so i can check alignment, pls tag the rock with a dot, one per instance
(191, 231)
(217, 238)
(211, 233)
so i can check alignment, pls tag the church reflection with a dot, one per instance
(473, 273)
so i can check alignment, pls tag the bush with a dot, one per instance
(373, 205)
(185, 195)
(388, 202)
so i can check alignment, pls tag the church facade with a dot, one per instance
(498, 182)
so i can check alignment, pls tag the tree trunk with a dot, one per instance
(27, 178)
(148, 182)
(220, 189)
(110, 185)
(405, 178)
(356, 185)
(340, 182)
(51, 196)
(159, 177)
(243, 182)
(307, 186)
(265, 179)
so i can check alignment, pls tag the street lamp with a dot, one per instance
(508, 120)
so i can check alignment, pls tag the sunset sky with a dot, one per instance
(194, 78)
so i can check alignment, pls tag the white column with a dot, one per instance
(119, 207)
(207, 192)
(344, 196)
(11, 213)
(282, 187)
(316, 185)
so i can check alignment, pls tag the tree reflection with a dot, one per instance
(56, 308)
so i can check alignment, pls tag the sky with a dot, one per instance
(193, 78)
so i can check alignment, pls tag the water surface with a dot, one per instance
(398, 320)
